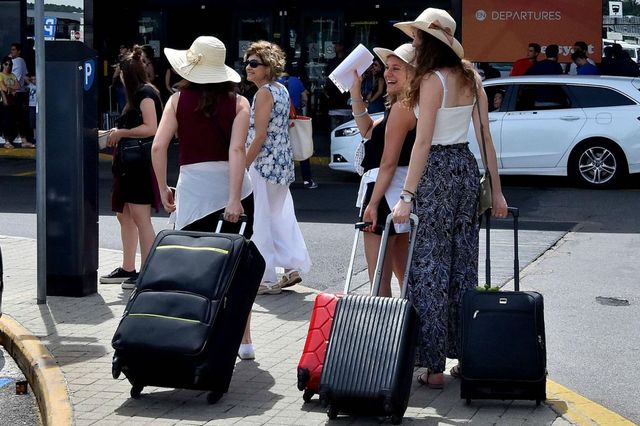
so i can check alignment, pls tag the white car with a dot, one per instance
(586, 127)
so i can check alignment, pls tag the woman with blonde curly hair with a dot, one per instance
(270, 162)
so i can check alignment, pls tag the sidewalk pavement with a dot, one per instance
(78, 333)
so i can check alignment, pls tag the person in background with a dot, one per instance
(22, 96)
(148, 58)
(373, 87)
(299, 97)
(33, 103)
(387, 153)
(134, 189)
(548, 66)
(270, 161)
(521, 66)
(212, 122)
(116, 82)
(571, 67)
(583, 66)
(498, 97)
(488, 70)
(8, 88)
(442, 187)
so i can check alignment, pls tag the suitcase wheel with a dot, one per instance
(136, 390)
(213, 397)
(332, 412)
(396, 419)
(115, 368)
(303, 378)
(307, 395)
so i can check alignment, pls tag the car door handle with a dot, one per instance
(491, 120)
(569, 118)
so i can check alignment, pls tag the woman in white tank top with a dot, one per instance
(442, 187)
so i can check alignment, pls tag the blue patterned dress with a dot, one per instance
(275, 160)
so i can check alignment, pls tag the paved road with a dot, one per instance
(592, 345)
(15, 409)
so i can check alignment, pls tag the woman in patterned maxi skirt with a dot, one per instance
(443, 180)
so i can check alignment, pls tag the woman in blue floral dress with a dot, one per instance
(270, 161)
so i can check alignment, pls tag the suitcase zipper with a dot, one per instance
(165, 317)
(214, 249)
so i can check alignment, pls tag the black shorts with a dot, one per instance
(383, 210)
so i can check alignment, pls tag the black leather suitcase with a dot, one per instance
(503, 339)
(370, 357)
(184, 321)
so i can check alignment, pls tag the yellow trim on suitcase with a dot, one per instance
(215, 249)
(164, 317)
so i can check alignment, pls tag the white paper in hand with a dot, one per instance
(359, 59)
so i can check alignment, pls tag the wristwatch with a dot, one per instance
(407, 198)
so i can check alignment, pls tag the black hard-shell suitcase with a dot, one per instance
(503, 339)
(370, 358)
(184, 322)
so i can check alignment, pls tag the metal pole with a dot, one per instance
(41, 170)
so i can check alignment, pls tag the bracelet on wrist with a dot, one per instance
(357, 101)
(360, 114)
(409, 192)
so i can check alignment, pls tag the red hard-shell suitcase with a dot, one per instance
(315, 347)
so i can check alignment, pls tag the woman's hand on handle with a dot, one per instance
(370, 216)
(168, 199)
(499, 205)
(401, 212)
(233, 211)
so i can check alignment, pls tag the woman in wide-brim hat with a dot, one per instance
(442, 185)
(211, 122)
(387, 153)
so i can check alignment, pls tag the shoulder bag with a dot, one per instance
(486, 200)
(300, 135)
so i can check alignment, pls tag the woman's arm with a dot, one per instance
(264, 107)
(358, 108)
(481, 109)
(430, 100)
(401, 121)
(167, 128)
(237, 159)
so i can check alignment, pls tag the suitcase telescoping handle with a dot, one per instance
(413, 223)
(347, 282)
(243, 219)
(515, 212)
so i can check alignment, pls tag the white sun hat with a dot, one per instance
(203, 62)
(439, 24)
(405, 52)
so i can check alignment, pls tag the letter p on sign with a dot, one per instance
(89, 73)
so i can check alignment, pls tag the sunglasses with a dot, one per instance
(253, 63)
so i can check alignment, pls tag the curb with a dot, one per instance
(41, 370)
(580, 410)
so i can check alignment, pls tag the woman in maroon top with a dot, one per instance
(211, 122)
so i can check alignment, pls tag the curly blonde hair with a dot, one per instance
(270, 54)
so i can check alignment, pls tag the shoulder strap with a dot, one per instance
(483, 153)
(443, 80)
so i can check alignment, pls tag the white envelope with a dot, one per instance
(359, 59)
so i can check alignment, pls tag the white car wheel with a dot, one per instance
(597, 164)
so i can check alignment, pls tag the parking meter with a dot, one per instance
(71, 169)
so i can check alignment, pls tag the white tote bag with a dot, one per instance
(301, 137)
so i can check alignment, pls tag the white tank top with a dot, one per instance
(452, 124)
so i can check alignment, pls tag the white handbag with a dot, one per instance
(301, 137)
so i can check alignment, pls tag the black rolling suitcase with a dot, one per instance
(184, 321)
(503, 339)
(370, 357)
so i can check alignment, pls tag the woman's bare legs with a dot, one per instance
(246, 337)
(399, 251)
(371, 249)
(129, 237)
(141, 215)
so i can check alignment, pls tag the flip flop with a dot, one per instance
(427, 383)
(455, 371)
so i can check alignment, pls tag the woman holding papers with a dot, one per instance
(442, 186)
(387, 153)
(270, 162)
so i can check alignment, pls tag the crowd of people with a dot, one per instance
(615, 61)
(416, 159)
(17, 101)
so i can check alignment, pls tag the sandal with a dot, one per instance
(427, 383)
(455, 371)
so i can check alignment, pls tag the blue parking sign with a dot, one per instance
(89, 73)
(50, 23)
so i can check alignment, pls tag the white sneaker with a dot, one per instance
(246, 351)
